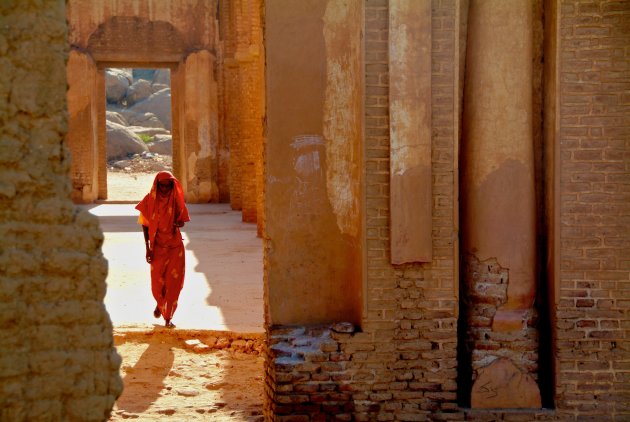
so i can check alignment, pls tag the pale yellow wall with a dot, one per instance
(57, 359)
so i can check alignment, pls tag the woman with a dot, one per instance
(162, 213)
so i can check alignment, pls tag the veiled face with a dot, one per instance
(165, 186)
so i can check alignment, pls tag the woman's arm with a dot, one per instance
(149, 251)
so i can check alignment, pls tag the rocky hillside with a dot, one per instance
(138, 119)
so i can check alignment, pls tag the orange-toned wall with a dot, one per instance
(178, 35)
(313, 161)
(243, 105)
(193, 21)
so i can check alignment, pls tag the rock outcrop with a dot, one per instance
(121, 142)
(138, 105)
(159, 103)
(117, 81)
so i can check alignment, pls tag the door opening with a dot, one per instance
(138, 130)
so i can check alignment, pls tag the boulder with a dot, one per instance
(113, 116)
(158, 87)
(121, 142)
(162, 144)
(159, 103)
(144, 119)
(151, 131)
(116, 83)
(138, 91)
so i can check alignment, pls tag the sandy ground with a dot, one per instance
(165, 379)
(210, 367)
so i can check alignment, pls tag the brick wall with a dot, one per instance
(593, 328)
(57, 360)
(401, 364)
(243, 104)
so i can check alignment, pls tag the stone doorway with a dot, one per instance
(138, 130)
(125, 38)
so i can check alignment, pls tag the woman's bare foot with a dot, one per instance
(169, 324)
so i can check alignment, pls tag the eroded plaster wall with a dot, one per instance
(180, 35)
(313, 161)
(83, 92)
(57, 360)
(402, 363)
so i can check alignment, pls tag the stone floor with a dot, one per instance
(223, 285)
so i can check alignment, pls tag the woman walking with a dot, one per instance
(162, 213)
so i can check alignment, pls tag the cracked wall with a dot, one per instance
(57, 360)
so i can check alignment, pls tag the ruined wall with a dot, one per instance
(178, 35)
(57, 360)
(243, 104)
(82, 138)
(593, 130)
(401, 362)
(313, 161)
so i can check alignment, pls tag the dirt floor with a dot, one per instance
(184, 375)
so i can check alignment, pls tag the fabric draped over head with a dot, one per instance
(149, 215)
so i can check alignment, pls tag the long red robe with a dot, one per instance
(161, 213)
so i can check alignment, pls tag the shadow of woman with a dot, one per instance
(144, 382)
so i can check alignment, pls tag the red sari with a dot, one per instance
(163, 214)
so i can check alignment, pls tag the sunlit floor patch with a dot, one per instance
(223, 283)
(164, 379)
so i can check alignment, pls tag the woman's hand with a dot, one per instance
(149, 255)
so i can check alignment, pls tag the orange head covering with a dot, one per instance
(175, 198)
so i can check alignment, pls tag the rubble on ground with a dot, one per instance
(146, 162)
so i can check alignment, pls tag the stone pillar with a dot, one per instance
(199, 128)
(410, 130)
(82, 137)
(498, 193)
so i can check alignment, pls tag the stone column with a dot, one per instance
(200, 128)
(82, 137)
(498, 194)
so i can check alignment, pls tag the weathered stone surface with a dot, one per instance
(158, 87)
(138, 91)
(57, 360)
(117, 81)
(115, 117)
(343, 327)
(121, 141)
(151, 131)
(162, 144)
(502, 385)
(158, 103)
(142, 118)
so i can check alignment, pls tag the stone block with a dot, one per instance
(502, 385)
